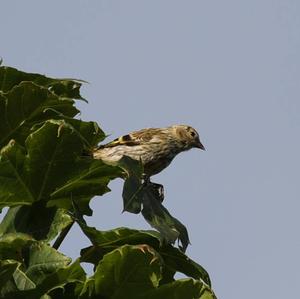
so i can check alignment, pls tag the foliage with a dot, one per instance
(48, 178)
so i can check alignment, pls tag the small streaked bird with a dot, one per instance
(154, 147)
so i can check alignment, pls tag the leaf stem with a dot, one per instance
(62, 235)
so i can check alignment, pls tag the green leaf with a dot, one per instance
(89, 132)
(135, 271)
(13, 279)
(14, 185)
(40, 269)
(51, 168)
(60, 221)
(137, 194)
(60, 279)
(51, 151)
(132, 189)
(26, 105)
(159, 217)
(38, 221)
(7, 268)
(43, 260)
(176, 261)
(12, 244)
(22, 281)
(127, 271)
(120, 236)
(181, 289)
(87, 178)
(10, 77)
(106, 241)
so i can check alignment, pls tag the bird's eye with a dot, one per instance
(193, 134)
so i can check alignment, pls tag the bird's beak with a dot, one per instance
(198, 144)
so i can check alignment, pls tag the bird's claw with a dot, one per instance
(157, 189)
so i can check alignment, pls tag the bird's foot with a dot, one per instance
(157, 189)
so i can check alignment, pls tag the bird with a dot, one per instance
(154, 147)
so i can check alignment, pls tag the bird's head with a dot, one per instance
(188, 137)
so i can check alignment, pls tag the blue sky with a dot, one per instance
(231, 69)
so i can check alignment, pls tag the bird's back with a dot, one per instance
(154, 147)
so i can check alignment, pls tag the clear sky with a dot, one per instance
(231, 69)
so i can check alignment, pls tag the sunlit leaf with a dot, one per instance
(26, 105)
(43, 260)
(120, 236)
(106, 241)
(174, 259)
(127, 272)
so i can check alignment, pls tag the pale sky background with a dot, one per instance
(231, 69)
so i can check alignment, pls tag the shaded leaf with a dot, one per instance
(40, 269)
(86, 179)
(132, 189)
(59, 280)
(10, 77)
(36, 220)
(137, 194)
(12, 245)
(7, 268)
(159, 217)
(176, 261)
(13, 279)
(181, 289)
(14, 185)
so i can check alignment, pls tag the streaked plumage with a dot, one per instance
(155, 147)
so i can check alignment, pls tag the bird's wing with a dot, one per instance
(134, 138)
